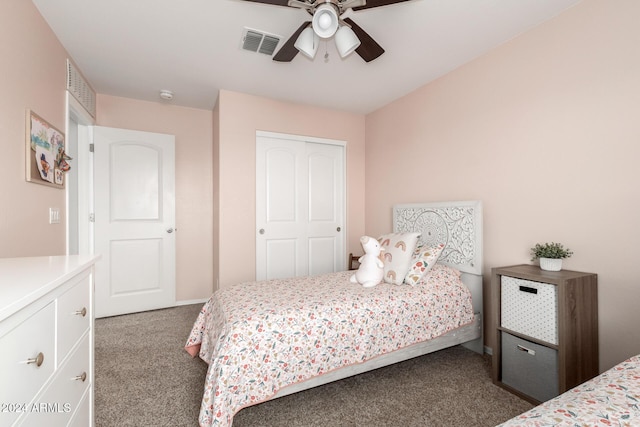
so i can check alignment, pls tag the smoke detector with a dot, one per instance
(167, 95)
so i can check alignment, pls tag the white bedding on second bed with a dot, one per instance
(610, 399)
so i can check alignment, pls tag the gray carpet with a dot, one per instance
(145, 378)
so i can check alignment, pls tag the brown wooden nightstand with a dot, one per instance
(546, 325)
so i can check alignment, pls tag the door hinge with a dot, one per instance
(91, 147)
(92, 217)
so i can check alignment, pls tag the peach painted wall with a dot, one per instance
(32, 67)
(240, 117)
(193, 131)
(545, 130)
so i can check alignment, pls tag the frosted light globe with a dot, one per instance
(325, 21)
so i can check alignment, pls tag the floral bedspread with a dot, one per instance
(259, 337)
(610, 399)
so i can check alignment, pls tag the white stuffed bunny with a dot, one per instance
(371, 270)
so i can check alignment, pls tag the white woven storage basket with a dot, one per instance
(530, 308)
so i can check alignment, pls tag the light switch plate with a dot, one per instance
(54, 216)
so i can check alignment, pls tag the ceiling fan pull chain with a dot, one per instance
(326, 53)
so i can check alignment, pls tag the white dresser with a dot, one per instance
(46, 341)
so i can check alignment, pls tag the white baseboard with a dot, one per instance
(191, 301)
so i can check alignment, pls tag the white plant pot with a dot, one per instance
(551, 264)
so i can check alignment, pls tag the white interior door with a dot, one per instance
(299, 207)
(134, 226)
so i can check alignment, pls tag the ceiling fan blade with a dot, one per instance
(369, 49)
(288, 51)
(376, 3)
(274, 2)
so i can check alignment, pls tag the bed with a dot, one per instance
(264, 340)
(609, 399)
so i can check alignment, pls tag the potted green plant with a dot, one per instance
(550, 255)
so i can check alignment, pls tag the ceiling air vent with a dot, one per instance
(80, 89)
(259, 41)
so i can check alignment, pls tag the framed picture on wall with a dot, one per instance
(46, 159)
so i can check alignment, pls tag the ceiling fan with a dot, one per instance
(327, 22)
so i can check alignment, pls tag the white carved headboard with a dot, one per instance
(456, 224)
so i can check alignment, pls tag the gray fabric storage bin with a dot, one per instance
(530, 368)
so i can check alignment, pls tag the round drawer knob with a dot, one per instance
(82, 377)
(38, 360)
(82, 312)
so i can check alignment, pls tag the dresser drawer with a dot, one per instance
(21, 380)
(64, 394)
(529, 308)
(74, 315)
(82, 416)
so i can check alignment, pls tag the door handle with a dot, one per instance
(261, 231)
(338, 229)
(169, 230)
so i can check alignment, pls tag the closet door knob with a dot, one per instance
(82, 312)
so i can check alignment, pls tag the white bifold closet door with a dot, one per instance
(300, 206)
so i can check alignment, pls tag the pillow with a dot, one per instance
(423, 259)
(398, 249)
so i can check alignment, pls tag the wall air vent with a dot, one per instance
(80, 89)
(259, 41)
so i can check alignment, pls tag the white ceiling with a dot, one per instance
(135, 48)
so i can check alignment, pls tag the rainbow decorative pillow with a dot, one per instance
(423, 259)
(398, 249)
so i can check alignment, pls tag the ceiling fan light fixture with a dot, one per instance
(325, 21)
(346, 41)
(307, 42)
